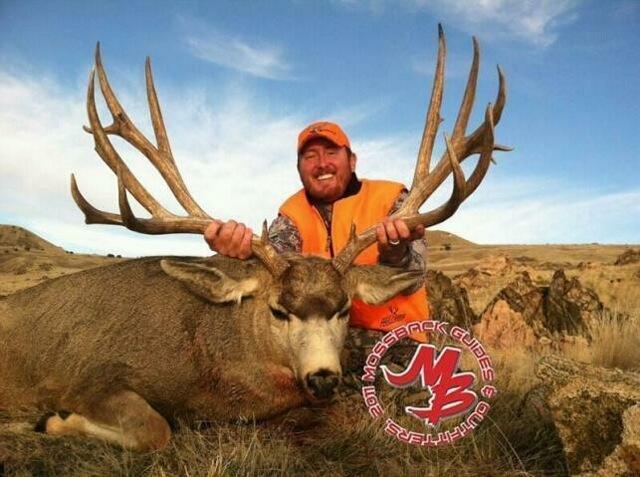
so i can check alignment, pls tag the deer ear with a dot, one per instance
(209, 282)
(376, 284)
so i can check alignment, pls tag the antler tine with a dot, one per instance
(485, 156)
(156, 226)
(156, 114)
(107, 152)
(433, 116)
(357, 244)
(469, 95)
(163, 160)
(161, 157)
(268, 255)
(91, 214)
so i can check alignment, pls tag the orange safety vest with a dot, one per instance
(366, 208)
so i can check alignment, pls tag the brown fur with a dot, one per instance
(82, 342)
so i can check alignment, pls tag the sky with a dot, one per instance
(237, 81)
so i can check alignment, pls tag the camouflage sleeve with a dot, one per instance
(284, 235)
(414, 259)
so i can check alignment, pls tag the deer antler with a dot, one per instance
(459, 147)
(162, 221)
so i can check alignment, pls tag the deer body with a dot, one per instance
(74, 339)
(128, 348)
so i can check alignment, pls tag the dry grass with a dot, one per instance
(615, 336)
(514, 440)
(616, 342)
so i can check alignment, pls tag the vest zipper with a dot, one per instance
(328, 247)
(329, 236)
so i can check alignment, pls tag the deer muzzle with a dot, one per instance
(322, 384)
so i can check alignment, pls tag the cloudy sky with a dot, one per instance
(238, 80)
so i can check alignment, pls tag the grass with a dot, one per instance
(615, 335)
(343, 440)
(616, 342)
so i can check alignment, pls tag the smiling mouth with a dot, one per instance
(325, 177)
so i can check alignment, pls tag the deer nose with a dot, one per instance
(323, 383)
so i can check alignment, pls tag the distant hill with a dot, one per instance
(14, 236)
(439, 237)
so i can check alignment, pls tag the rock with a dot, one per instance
(523, 314)
(447, 301)
(503, 327)
(586, 266)
(625, 459)
(597, 415)
(482, 274)
(569, 307)
(514, 317)
(473, 279)
(627, 257)
(524, 259)
(495, 264)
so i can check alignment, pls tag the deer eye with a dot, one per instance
(279, 314)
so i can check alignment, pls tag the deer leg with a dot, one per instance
(125, 419)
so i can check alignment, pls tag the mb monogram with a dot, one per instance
(453, 393)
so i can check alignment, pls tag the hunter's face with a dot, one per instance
(325, 169)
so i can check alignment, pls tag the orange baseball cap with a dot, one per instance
(325, 129)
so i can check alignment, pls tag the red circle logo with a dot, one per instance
(453, 393)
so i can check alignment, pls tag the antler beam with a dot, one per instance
(162, 221)
(459, 147)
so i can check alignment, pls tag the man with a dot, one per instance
(317, 219)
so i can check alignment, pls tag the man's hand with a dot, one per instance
(394, 239)
(230, 238)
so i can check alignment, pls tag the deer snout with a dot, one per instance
(323, 383)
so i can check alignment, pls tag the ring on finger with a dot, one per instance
(393, 243)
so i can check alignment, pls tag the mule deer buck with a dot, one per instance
(119, 352)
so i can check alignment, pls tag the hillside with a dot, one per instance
(27, 259)
(436, 238)
(14, 236)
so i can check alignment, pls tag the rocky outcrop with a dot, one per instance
(514, 317)
(570, 308)
(523, 314)
(447, 301)
(627, 257)
(625, 458)
(482, 275)
(503, 327)
(597, 414)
